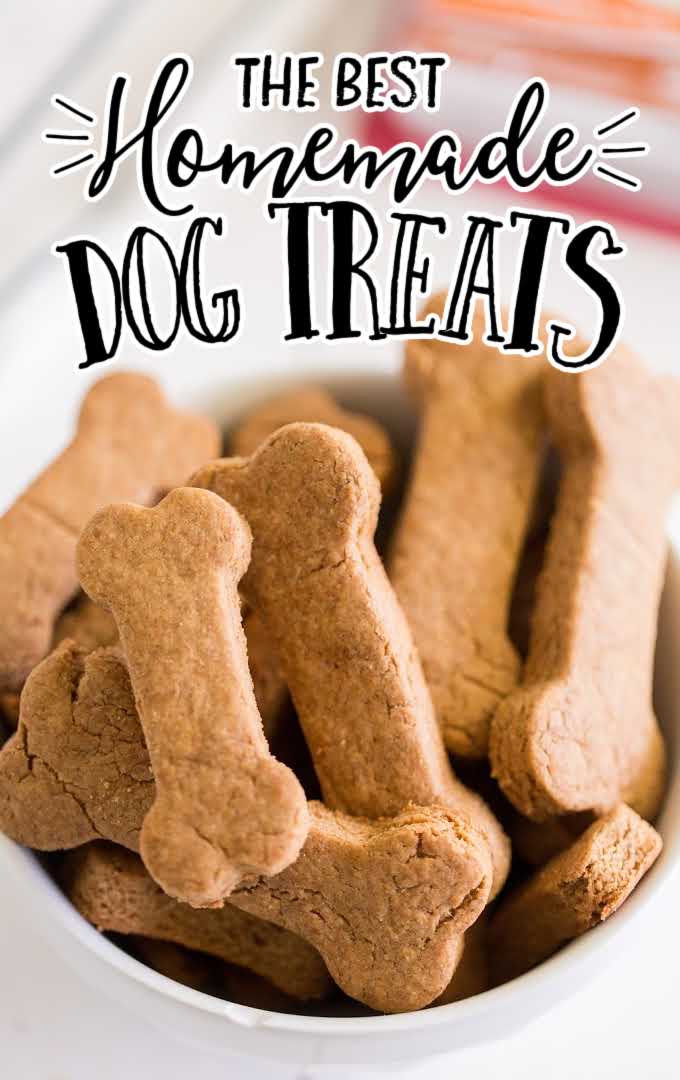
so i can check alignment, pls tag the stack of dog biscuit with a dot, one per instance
(243, 730)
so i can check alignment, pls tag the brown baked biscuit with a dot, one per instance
(224, 807)
(455, 552)
(311, 404)
(77, 768)
(581, 733)
(176, 962)
(112, 890)
(471, 976)
(314, 405)
(345, 648)
(269, 685)
(385, 902)
(85, 623)
(130, 444)
(359, 871)
(573, 892)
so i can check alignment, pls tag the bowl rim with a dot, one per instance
(598, 943)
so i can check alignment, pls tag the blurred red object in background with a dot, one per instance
(598, 59)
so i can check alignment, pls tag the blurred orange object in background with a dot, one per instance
(627, 48)
(598, 59)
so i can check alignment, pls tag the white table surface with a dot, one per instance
(52, 1026)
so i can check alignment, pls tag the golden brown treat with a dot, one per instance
(130, 444)
(269, 685)
(344, 645)
(574, 891)
(86, 623)
(313, 405)
(385, 902)
(537, 841)
(112, 890)
(225, 808)
(429, 868)
(581, 733)
(77, 768)
(472, 974)
(175, 962)
(77, 791)
(455, 552)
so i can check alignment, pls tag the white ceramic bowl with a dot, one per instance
(309, 1040)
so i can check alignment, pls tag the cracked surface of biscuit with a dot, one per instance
(77, 769)
(112, 890)
(385, 902)
(378, 899)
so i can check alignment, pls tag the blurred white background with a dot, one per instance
(52, 1027)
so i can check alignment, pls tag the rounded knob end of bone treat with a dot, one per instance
(313, 466)
(186, 865)
(203, 524)
(252, 823)
(121, 402)
(94, 567)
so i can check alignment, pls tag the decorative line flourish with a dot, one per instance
(72, 163)
(69, 106)
(66, 136)
(622, 120)
(618, 150)
(613, 176)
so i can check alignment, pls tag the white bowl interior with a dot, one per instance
(352, 1035)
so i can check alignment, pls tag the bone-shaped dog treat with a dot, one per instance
(573, 892)
(345, 649)
(224, 807)
(130, 445)
(580, 733)
(313, 405)
(385, 902)
(456, 548)
(310, 404)
(112, 890)
(77, 768)
(86, 773)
